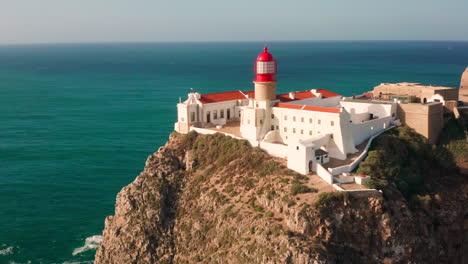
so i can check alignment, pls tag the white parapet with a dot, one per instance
(361, 179)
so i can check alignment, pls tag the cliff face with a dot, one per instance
(213, 199)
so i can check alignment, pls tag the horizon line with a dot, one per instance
(218, 41)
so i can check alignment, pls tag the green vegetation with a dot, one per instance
(256, 207)
(290, 202)
(297, 188)
(401, 159)
(453, 136)
(269, 214)
(217, 151)
(326, 198)
(271, 194)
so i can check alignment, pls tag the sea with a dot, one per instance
(77, 121)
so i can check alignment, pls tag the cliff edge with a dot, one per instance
(214, 199)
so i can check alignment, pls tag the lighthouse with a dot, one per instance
(265, 82)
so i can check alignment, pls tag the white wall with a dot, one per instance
(296, 154)
(360, 111)
(324, 174)
(278, 150)
(306, 122)
(365, 130)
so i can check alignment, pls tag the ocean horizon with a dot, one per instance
(79, 120)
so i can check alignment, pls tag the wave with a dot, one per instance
(90, 243)
(6, 251)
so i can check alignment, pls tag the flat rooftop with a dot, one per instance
(367, 100)
(419, 85)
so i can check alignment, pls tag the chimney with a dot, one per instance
(316, 93)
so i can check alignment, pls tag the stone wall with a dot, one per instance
(426, 119)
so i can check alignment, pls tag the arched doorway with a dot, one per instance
(310, 166)
(424, 100)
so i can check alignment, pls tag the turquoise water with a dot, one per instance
(78, 121)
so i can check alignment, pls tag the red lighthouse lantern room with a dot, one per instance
(265, 67)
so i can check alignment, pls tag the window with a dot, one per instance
(192, 116)
(294, 130)
(272, 127)
(302, 119)
(272, 116)
(332, 123)
(182, 119)
(221, 113)
(393, 114)
(326, 156)
(297, 147)
(285, 117)
(331, 136)
(256, 105)
(248, 121)
(261, 121)
(310, 132)
(285, 129)
(302, 131)
(265, 67)
(317, 158)
(310, 120)
(277, 127)
(318, 121)
(294, 119)
(215, 114)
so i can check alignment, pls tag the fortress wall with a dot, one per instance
(397, 90)
(448, 94)
(436, 122)
(426, 119)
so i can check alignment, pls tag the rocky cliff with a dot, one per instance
(214, 199)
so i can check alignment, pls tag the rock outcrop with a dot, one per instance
(213, 199)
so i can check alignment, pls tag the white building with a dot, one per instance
(306, 127)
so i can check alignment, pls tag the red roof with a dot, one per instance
(306, 95)
(309, 107)
(238, 95)
(223, 96)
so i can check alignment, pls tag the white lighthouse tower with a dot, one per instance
(257, 117)
(265, 82)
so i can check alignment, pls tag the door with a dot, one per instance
(228, 113)
(310, 166)
(321, 159)
(208, 117)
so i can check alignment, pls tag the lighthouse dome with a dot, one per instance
(265, 67)
(265, 55)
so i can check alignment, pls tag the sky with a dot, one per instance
(72, 21)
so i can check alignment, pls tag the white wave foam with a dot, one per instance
(6, 251)
(90, 243)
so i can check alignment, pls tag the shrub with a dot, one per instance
(404, 160)
(326, 198)
(297, 188)
(271, 194)
(290, 202)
